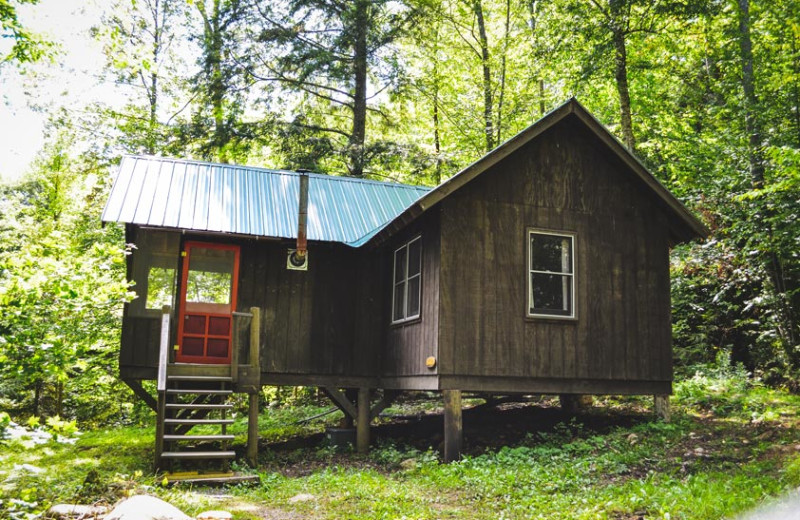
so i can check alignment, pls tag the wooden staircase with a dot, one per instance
(196, 401)
(194, 397)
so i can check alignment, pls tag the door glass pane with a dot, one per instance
(210, 275)
(219, 326)
(217, 347)
(192, 347)
(193, 324)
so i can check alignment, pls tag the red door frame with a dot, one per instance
(208, 309)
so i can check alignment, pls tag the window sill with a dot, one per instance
(553, 319)
(407, 321)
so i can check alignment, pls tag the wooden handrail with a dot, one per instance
(163, 358)
(163, 352)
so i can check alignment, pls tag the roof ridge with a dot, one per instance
(342, 178)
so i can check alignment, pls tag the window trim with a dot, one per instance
(528, 271)
(406, 319)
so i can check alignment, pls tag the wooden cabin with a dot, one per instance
(540, 268)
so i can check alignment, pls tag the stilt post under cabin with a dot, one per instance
(453, 432)
(362, 423)
(661, 403)
(255, 365)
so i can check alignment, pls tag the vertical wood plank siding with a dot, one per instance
(318, 322)
(335, 319)
(563, 181)
(407, 345)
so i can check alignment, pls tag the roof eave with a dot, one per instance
(692, 228)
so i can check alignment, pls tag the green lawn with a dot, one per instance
(730, 446)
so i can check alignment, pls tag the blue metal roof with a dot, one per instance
(223, 198)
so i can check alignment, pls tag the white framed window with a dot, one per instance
(407, 281)
(551, 274)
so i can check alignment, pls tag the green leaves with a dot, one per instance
(62, 285)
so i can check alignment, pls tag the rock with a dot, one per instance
(408, 464)
(66, 511)
(143, 507)
(215, 515)
(302, 497)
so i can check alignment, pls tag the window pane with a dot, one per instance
(413, 297)
(551, 294)
(210, 276)
(160, 286)
(400, 265)
(551, 253)
(399, 307)
(414, 257)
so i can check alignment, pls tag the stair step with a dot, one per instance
(198, 455)
(190, 406)
(178, 438)
(213, 379)
(198, 421)
(203, 392)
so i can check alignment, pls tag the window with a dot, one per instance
(551, 276)
(155, 265)
(407, 285)
(160, 287)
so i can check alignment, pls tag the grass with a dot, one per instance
(731, 445)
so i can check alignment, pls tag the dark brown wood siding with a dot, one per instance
(316, 322)
(564, 180)
(321, 322)
(408, 345)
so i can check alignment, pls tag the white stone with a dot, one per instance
(302, 497)
(143, 507)
(215, 515)
(76, 511)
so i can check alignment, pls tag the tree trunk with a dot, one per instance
(533, 11)
(773, 264)
(360, 50)
(487, 75)
(503, 74)
(437, 146)
(152, 89)
(212, 49)
(621, 77)
(755, 152)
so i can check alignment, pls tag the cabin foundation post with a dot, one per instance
(661, 402)
(252, 430)
(575, 403)
(362, 421)
(453, 431)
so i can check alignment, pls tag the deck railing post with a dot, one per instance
(161, 384)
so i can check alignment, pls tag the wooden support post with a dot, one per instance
(661, 403)
(575, 403)
(453, 433)
(255, 340)
(362, 426)
(252, 431)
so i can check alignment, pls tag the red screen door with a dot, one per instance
(207, 301)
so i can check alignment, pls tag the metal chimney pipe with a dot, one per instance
(302, 215)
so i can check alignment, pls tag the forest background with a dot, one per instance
(705, 92)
